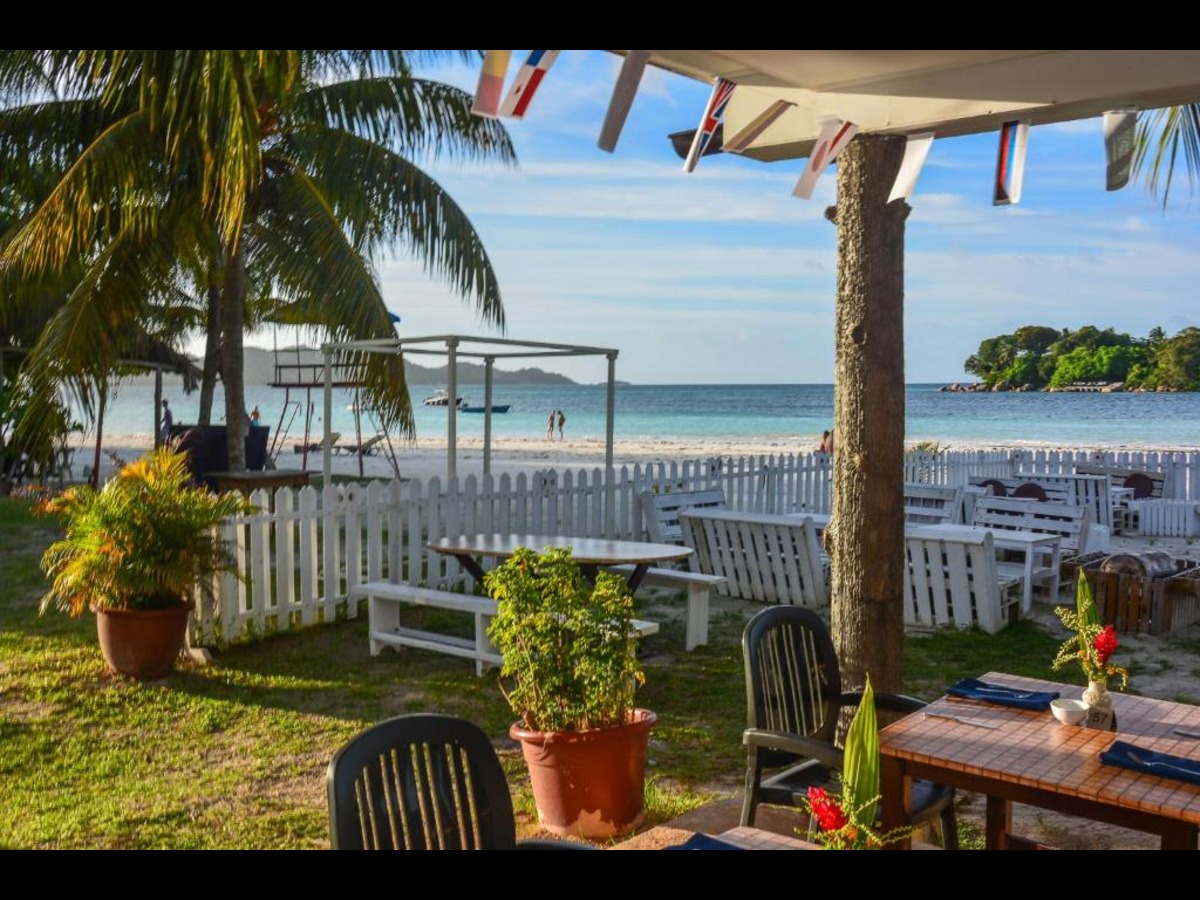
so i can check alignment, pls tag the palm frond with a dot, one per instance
(1161, 135)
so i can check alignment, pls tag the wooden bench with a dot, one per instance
(1146, 485)
(385, 599)
(953, 582)
(771, 559)
(1093, 492)
(660, 511)
(1069, 523)
(932, 504)
(699, 588)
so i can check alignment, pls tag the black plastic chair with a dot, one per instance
(423, 782)
(794, 700)
(1030, 491)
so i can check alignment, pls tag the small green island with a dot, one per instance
(1041, 358)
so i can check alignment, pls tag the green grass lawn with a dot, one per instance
(233, 755)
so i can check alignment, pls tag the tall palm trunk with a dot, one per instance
(212, 354)
(866, 537)
(233, 321)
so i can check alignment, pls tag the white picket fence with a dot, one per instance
(299, 556)
(1166, 518)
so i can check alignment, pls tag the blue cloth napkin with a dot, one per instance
(703, 842)
(974, 689)
(1131, 756)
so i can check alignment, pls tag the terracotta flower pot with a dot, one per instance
(589, 784)
(142, 643)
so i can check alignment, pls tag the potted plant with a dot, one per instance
(570, 672)
(1092, 646)
(134, 553)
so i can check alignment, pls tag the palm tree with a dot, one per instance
(272, 174)
(1162, 135)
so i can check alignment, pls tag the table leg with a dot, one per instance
(895, 797)
(1179, 836)
(1027, 599)
(997, 823)
(636, 576)
(471, 564)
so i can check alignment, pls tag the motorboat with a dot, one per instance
(442, 398)
(496, 408)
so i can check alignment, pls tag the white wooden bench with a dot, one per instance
(699, 588)
(771, 559)
(660, 511)
(1145, 485)
(953, 582)
(1093, 492)
(932, 504)
(385, 599)
(1069, 523)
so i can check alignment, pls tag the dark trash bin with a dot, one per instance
(206, 448)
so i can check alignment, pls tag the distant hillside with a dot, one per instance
(260, 370)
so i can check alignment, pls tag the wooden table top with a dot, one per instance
(1032, 749)
(999, 535)
(587, 551)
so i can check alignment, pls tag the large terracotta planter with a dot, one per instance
(142, 643)
(589, 784)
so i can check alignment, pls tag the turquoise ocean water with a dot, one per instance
(792, 413)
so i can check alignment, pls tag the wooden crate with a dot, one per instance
(1136, 604)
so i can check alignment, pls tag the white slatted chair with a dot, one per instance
(771, 559)
(932, 504)
(954, 583)
(660, 511)
(1070, 523)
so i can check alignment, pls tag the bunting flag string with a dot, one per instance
(525, 85)
(756, 126)
(490, 88)
(1010, 163)
(916, 149)
(835, 135)
(1119, 126)
(721, 92)
(622, 98)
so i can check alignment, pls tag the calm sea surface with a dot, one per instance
(744, 412)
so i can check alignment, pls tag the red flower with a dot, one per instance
(1106, 643)
(830, 816)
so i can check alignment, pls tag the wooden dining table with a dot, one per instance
(591, 553)
(1013, 755)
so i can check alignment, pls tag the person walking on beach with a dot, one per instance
(550, 426)
(255, 417)
(562, 420)
(164, 431)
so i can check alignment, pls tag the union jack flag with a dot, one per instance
(721, 92)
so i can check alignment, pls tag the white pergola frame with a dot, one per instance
(454, 346)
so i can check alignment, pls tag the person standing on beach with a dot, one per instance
(550, 426)
(562, 420)
(255, 417)
(164, 431)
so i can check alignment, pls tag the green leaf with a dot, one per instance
(860, 767)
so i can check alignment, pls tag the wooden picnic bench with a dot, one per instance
(952, 581)
(1068, 523)
(767, 558)
(932, 504)
(384, 602)
(660, 511)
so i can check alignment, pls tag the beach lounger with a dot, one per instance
(366, 448)
(319, 446)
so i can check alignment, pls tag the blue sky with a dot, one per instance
(722, 276)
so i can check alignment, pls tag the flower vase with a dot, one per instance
(1100, 707)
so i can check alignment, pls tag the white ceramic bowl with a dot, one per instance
(1069, 712)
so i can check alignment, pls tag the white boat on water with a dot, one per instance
(442, 398)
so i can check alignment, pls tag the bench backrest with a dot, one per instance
(952, 582)
(1093, 492)
(773, 559)
(1067, 522)
(932, 504)
(1054, 492)
(1154, 482)
(660, 511)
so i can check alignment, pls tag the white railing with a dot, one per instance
(300, 555)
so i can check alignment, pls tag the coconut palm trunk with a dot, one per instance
(233, 322)
(212, 354)
(866, 535)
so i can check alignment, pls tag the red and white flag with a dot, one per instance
(1010, 163)
(526, 83)
(835, 135)
(491, 83)
(717, 100)
(915, 151)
